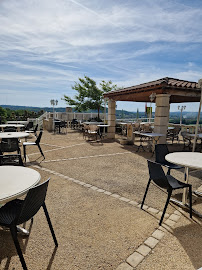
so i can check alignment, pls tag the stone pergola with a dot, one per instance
(166, 90)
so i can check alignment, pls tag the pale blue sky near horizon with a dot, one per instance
(47, 45)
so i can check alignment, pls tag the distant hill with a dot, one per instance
(62, 109)
(120, 114)
(33, 109)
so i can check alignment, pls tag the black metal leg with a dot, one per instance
(190, 201)
(40, 150)
(141, 145)
(166, 205)
(17, 245)
(24, 151)
(20, 161)
(50, 224)
(145, 194)
(168, 173)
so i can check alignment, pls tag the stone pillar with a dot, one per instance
(111, 119)
(130, 135)
(162, 115)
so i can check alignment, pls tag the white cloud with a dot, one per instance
(49, 44)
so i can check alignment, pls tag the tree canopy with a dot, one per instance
(10, 114)
(89, 95)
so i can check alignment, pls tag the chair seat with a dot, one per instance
(29, 131)
(171, 165)
(174, 183)
(29, 143)
(92, 132)
(9, 212)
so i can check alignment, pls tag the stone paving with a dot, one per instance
(149, 244)
(106, 170)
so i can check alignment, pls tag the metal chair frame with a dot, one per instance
(167, 182)
(161, 150)
(19, 211)
(37, 142)
(10, 145)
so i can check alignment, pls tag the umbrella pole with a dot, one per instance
(198, 117)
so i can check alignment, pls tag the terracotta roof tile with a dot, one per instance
(165, 82)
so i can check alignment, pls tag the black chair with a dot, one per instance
(57, 126)
(10, 129)
(173, 134)
(74, 123)
(167, 182)
(37, 142)
(33, 131)
(18, 211)
(29, 126)
(8, 146)
(63, 126)
(161, 150)
(186, 139)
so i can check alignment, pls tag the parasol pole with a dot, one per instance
(198, 117)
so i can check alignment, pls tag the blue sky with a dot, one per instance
(47, 44)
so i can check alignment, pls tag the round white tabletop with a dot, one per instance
(11, 135)
(15, 181)
(12, 125)
(186, 159)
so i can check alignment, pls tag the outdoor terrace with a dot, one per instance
(94, 201)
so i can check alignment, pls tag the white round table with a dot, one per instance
(18, 126)
(15, 181)
(191, 160)
(187, 159)
(12, 125)
(11, 135)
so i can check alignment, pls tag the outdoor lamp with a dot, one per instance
(54, 103)
(181, 108)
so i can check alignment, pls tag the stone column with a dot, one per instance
(111, 119)
(162, 115)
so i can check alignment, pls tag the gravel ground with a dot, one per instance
(94, 230)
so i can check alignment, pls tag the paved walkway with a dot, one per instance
(94, 202)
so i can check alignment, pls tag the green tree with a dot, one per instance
(3, 114)
(89, 96)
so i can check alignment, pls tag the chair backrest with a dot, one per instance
(146, 127)
(93, 128)
(36, 128)
(63, 124)
(176, 130)
(136, 126)
(10, 129)
(85, 127)
(29, 125)
(39, 137)
(157, 174)
(161, 150)
(75, 121)
(57, 123)
(33, 202)
(9, 145)
(185, 134)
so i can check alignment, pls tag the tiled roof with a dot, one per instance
(164, 82)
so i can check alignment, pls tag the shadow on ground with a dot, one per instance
(190, 237)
